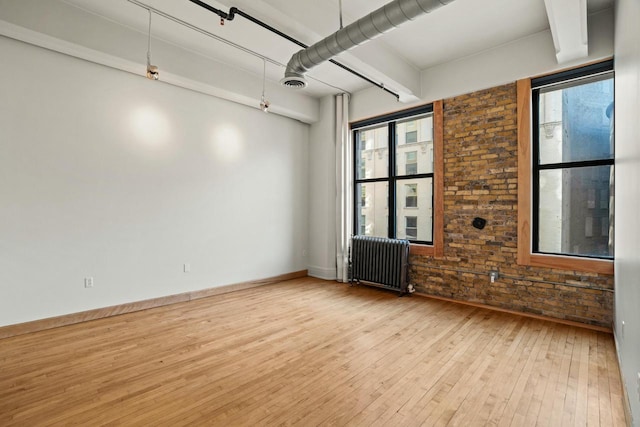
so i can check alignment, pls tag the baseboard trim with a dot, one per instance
(322, 273)
(625, 392)
(519, 313)
(99, 313)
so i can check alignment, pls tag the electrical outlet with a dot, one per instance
(88, 282)
(493, 276)
(187, 267)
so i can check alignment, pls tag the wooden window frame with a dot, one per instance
(525, 256)
(437, 248)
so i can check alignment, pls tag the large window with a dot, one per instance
(573, 143)
(569, 168)
(395, 175)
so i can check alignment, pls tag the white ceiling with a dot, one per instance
(457, 30)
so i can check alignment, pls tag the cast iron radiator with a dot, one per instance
(381, 261)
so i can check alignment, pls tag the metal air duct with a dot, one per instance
(364, 29)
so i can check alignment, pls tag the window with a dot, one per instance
(573, 145)
(411, 162)
(411, 227)
(395, 176)
(411, 195)
(363, 225)
(565, 183)
(411, 136)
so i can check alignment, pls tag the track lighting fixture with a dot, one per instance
(152, 70)
(264, 104)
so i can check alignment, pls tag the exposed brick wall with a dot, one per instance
(481, 179)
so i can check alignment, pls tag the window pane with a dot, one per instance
(570, 221)
(411, 195)
(372, 152)
(372, 209)
(411, 136)
(411, 227)
(575, 122)
(414, 136)
(418, 192)
(411, 162)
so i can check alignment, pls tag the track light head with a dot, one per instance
(264, 104)
(152, 72)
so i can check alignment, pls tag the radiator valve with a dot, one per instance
(410, 288)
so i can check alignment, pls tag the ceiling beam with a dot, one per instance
(568, 23)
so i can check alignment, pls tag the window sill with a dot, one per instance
(599, 266)
(424, 250)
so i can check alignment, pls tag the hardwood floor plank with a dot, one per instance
(478, 408)
(618, 413)
(529, 356)
(603, 385)
(582, 400)
(547, 379)
(593, 414)
(309, 352)
(559, 394)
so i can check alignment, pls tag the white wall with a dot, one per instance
(110, 175)
(322, 193)
(627, 238)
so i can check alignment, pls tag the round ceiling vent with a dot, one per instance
(294, 82)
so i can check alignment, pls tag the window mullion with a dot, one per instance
(578, 164)
(356, 210)
(391, 208)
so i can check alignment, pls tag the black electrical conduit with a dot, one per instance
(235, 11)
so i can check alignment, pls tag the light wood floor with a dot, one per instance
(307, 352)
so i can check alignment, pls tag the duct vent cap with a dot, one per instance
(294, 82)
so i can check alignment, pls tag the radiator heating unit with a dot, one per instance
(380, 261)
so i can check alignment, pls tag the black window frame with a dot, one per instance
(537, 84)
(392, 177)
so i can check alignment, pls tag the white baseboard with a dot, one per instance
(322, 272)
(625, 392)
(99, 313)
